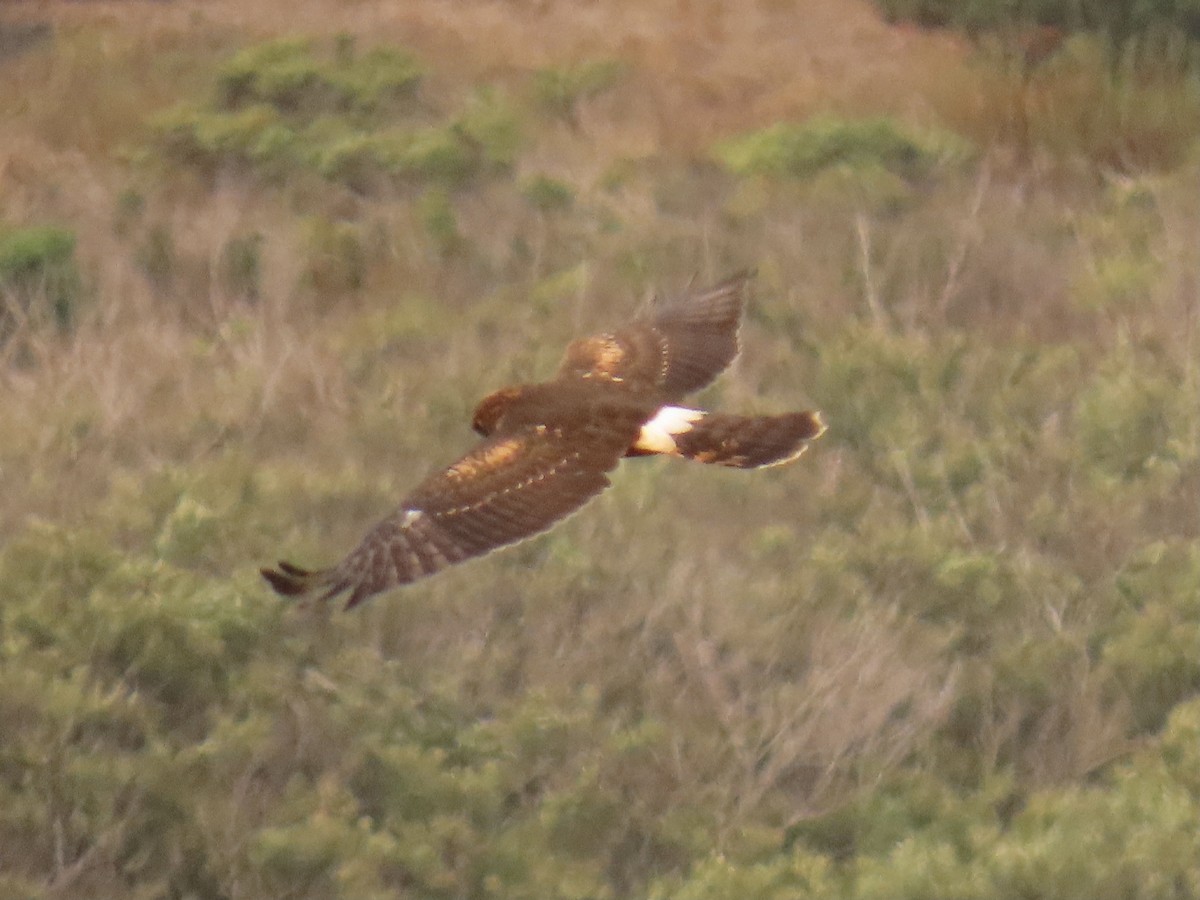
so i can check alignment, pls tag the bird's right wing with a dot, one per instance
(509, 487)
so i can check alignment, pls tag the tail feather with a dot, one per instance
(748, 442)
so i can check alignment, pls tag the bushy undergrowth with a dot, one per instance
(39, 279)
(1121, 21)
(288, 76)
(1109, 81)
(354, 118)
(560, 91)
(804, 150)
(951, 652)
(875, 161)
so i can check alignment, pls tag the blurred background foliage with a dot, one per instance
(257, 263)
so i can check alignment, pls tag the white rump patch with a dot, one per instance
(410, 516)
(658, 435)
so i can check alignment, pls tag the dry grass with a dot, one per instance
(704, 70)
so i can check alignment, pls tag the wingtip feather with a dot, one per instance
(289, 580)
(284, 583)
(291, 569)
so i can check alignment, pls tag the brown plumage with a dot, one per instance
(548, 447)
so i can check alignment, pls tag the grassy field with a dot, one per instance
(259, 260)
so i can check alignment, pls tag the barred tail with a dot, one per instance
(747, 442)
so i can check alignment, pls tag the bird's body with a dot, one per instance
(548, 447)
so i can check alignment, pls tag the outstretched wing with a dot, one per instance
(682, 346)
(510, 487)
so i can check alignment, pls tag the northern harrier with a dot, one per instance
(548, 448)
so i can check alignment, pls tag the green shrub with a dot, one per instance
(130, 208)
(32, 255)
(358, 159)
(560, 91)
(437, 215)
(288, 76)
(282, 107)
(241, 266)
(1180, 746)
(1135, 838)
(377, 80)
(804, 150)
(335, 254)
(489, 124)
(361, 159)
(786, 877)
(1154, 646)
(1122, 23)
(437, 153)
(973, 15)
(278, 73)
(1129, 416)
(251, 136)
(38, 276)
(1117, 283)
(157, 258)
(547, 194)
(1119, 19)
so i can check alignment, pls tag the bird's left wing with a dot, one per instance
(509, 487)
(679, 348)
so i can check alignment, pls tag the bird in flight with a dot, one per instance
(547, 448)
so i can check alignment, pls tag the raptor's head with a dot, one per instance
(491, 409)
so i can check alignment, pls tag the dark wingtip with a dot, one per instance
(283, 583)
(290, 580)
(357, 596)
